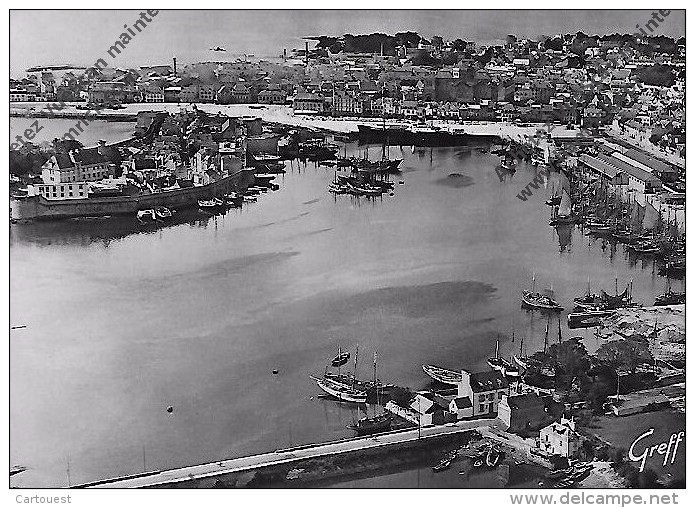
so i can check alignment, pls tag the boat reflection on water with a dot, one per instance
(564, 236)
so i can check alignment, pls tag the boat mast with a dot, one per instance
(545, 343)
(559, 331)
(354, 372)
(533, 288)
(375, 382)
(497, 347)
(521, 347)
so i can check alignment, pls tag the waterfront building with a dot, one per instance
(153, 94)
(560, 438)
(106, 92)
(309, 103)
(526, 414)
(66, 175)
(272, 96)
(432, 408)
(484, 389)
(85, 165)
(19, 95)
(638, 179)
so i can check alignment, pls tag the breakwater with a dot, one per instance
(311, 463)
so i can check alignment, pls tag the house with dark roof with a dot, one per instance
(526, 414)
(485, 391)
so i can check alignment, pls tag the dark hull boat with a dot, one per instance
(405, 135)
(372, 425)
(534, 300)
(670, 298)
(340, 359)
(587, 318)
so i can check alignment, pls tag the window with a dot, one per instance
(491, 396)
(483, 408)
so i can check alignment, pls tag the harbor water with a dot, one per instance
(120, 323)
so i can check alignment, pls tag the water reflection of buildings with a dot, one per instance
(87, 231)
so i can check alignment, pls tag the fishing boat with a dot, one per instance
(446, 376)
(233, 198)
(340, 391)
(147, 216)
(207, 204)
(555, 197)
(163, 213)
(522, 360)
(264, 179)
(445, 463)
(539, 301)
(493, 457)
(496, 363)
(250, 199)
(509, 370)
(372, 425)
(675, 268)
(378, 422)
(670, 298)
(508, 164)
(645, 247)
(564, 213)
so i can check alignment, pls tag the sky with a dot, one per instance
(82, 37)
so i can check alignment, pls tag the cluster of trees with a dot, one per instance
(593, 378)
(657, 75)
(28, 162)
(369, 43)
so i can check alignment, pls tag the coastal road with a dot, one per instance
(211, 469)
(285, 115)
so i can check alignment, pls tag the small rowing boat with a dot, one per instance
(446, 376)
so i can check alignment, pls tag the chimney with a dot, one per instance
(174, 66)
(102, 147)
(284, 54)
(306, 51)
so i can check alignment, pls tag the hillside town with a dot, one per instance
(630, 84)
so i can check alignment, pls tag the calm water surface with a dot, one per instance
(57, 127)
(122, 324)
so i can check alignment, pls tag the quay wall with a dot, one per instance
(315, 463)
(39, 208)
(333, 467)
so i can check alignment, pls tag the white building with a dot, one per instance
(560, 438)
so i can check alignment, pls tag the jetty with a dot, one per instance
(282, 463)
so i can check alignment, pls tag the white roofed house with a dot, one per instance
(432, 408)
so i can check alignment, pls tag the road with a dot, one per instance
(160, 478)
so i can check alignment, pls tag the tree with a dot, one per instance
(571, 357)
(437, 42)
(625, 354)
